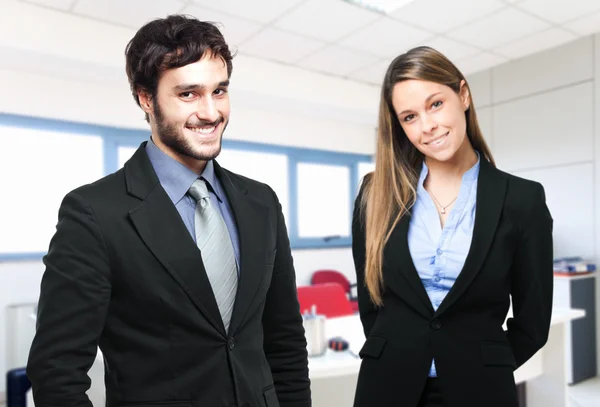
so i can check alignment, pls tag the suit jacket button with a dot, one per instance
(231, 343)
(436, 324)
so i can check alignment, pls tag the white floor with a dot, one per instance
(585, 394)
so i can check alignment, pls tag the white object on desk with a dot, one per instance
(314, 331)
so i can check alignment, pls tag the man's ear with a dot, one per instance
(145, 101)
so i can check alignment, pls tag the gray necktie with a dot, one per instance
(214, 242)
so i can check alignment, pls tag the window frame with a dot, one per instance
(115, 137)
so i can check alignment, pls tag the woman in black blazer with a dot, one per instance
(442, 240)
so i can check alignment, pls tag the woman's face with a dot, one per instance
(432, 116)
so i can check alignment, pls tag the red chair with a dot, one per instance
(334, 276)
(329, 299)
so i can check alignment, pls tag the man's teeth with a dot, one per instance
(203, 130)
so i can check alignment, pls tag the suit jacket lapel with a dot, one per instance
(164, 233)
(251, 217)
(398, 262)
(491, 190)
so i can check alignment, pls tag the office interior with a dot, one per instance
(305, 92)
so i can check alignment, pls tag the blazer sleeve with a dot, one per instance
(532, 281)
(72, 308)
(367, 310)
(284, 339)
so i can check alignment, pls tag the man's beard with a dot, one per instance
(172, 136)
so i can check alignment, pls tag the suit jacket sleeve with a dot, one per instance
(284, 340)
(75, 293)
(532, 281)
(367, 310)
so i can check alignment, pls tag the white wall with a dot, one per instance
(541, 115)
(271, 120)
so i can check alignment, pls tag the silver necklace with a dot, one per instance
(443, 207)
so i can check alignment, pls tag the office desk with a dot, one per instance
(334, 374)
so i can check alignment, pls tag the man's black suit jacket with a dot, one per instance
(123, 273)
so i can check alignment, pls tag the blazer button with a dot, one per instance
(436, 324)
(231, 343)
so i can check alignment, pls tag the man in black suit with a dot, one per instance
(179, 270)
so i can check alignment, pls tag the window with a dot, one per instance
(47, 158)
(124, 153)
(269, 168)
(364, 168)
(323, 209)
(39, 167)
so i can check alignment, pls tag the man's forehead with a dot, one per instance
(207, 72)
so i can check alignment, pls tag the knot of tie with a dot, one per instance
(199, 191)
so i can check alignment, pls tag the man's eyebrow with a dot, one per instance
(187, 87)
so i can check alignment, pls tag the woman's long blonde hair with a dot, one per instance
(390, 191)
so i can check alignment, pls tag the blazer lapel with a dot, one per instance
(398, 262)
(164, 233)
(491, 190)
(250, 217)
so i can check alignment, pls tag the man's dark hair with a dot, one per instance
(168, 43)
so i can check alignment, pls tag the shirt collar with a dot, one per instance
(211, 178)
(176, 178)
(469, 176)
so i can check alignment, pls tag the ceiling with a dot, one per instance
(337, 38)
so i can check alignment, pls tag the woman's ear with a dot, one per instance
(465, 95)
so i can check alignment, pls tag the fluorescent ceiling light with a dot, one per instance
(380, 6)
